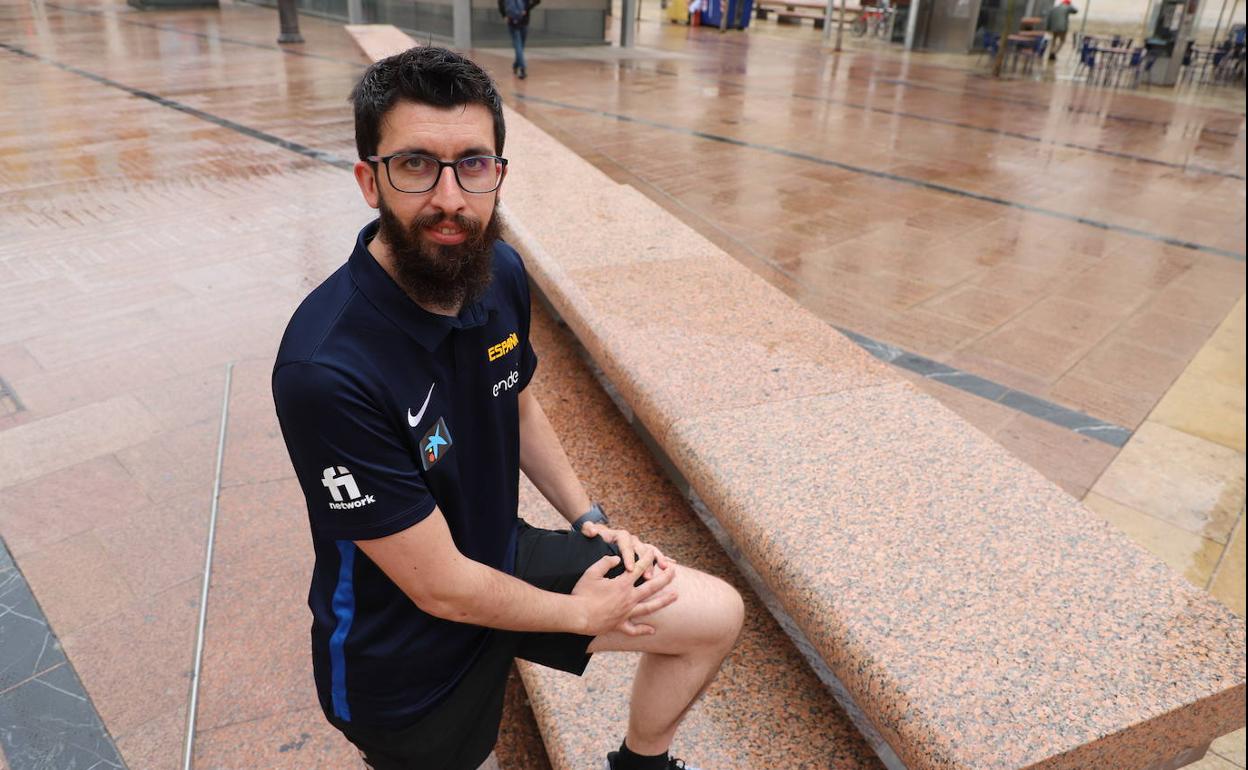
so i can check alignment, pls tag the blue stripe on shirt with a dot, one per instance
(344, 610)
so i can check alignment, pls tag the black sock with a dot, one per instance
(627, 760)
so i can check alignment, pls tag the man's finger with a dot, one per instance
(652, 587)
(635, 629)
(624, 542)
(601, 567)
(662, 559)
(653, 605)
(645, 558)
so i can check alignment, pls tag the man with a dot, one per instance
(401, 388)
(516, 12)
(1058, 23)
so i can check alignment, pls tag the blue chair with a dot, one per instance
(1036, 51)
(1141, 64)
(990, 44)
(1086, 48)
(1186, 70)
(1087, 61)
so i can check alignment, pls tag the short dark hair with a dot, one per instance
(425, 75)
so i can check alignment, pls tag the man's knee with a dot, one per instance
(726, 614)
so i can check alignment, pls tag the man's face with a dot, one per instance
(439, 242)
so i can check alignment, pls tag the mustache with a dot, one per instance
(470, 225)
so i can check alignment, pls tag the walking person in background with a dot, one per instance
(1058, 22)
(517, 14)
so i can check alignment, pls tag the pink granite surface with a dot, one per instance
(766, 709)
(976, 613)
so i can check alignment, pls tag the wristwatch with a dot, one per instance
(594, 514)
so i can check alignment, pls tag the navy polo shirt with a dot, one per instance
(388, 410)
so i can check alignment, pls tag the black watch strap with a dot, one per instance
(594, 514)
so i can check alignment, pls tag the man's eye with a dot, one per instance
(473, 165)
(415, 163)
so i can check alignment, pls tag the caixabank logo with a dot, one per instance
(337, 480)
(435, 444)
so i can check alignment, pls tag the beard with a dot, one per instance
(435, 275)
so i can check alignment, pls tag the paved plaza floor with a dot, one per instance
(1061, 265)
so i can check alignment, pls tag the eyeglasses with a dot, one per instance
(411, 172)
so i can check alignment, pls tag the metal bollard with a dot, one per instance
(289, 17)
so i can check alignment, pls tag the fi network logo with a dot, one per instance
(337, 480)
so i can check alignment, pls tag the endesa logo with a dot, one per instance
(337, 480)
(502, 386)
(496, 352)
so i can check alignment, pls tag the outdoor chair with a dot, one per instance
(991, 44)
(1086, 47)
(1034, 52)
(1087, 61)
(1141, 64)
(1186, 66)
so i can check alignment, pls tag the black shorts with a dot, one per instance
(461, 731)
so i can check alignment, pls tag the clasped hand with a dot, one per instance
(638, 556)
(615, 604)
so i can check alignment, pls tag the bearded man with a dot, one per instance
(401, 386)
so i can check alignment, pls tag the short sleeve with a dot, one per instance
(528, 358)
(358, 478)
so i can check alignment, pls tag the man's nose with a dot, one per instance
(448, 196)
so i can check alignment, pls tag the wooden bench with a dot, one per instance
(972, 613)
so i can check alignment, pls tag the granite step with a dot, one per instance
(767, 708)
(975, 613)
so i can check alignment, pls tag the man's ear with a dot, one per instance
(366, 178)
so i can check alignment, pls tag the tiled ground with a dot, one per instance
(152, 230)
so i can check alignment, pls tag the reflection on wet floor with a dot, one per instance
(1076, 246)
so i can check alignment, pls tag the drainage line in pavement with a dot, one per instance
(203, 594)
(1069, 106)
(309, 152)
(912, 181)
(1192, 167)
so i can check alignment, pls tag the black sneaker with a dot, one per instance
(520, 73)
(672, 763)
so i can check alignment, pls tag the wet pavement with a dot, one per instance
(172, 184)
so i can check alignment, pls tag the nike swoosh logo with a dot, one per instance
(414, 420)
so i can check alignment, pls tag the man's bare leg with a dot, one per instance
(692, 637)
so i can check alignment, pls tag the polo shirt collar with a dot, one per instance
(429, 329)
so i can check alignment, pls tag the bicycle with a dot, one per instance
(876, 20)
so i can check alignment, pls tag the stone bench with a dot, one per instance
(974, 613)
(767, 708)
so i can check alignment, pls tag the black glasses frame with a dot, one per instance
(452, 164)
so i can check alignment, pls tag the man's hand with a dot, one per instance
(611, 604)
(638, 556)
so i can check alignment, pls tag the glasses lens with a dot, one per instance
(479, 174)
(413, 173)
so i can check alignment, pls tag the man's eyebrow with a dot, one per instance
(468, 153)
